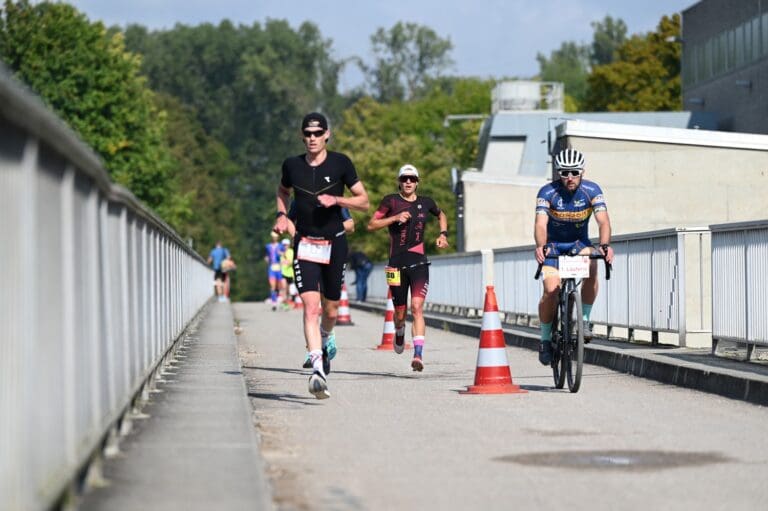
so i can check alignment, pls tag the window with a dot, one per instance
(755, 44)
(747, 27)
(739, 44)
(731, 48)
(765, 33)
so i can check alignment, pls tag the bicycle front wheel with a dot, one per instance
(558, 370)
(559, 360)
(575, 345)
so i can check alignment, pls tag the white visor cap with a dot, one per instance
(408, 170)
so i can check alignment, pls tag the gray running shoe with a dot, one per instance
(587, 333)
(399, 344)
(318, 387)
(307, 362)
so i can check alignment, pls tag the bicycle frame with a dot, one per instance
(568, 329)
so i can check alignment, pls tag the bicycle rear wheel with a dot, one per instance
(575, 346)
(558, 361)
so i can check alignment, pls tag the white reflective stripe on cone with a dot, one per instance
(492, 357)
(491, 321)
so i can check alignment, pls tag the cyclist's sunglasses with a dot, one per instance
(406, 179)
(572, 173)
(316, 134)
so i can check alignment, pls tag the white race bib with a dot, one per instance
(573, 267)
(317, 251)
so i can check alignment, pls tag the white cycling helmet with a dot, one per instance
(569, 159)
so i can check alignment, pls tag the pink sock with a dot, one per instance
(418, 345)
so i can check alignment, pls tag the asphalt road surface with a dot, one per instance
(390, 438)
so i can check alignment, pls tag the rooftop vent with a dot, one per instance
(521, 95)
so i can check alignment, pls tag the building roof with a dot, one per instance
(665, 135)
(529, 132)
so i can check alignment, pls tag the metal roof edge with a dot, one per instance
(679, 136)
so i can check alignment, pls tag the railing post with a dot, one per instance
(487, 265)
(695, 288)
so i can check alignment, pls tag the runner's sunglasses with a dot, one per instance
(572, 173)
(406, 179)
(316, 134)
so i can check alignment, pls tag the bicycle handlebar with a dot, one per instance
(608, 266)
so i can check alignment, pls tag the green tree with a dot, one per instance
(568, 64)
(93, 83)
(250, 87)
(608, 35)
(381, 137)
(645, 76)
(407, 56)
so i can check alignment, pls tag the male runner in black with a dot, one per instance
(318, 178)
(405, 214)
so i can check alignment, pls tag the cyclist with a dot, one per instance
(563, 208)
(318, 178)
(405, 214)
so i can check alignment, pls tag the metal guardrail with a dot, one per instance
(660, 283)
(740, 282)
(96, 289)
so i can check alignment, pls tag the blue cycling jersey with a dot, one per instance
(569, 212)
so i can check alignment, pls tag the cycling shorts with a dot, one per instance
(414, 276)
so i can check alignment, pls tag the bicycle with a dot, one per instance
(568, 323)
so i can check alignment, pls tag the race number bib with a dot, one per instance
(573, 267)
(275, 267)
(316, 251)
(393, 276)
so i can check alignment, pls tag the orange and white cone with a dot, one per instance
(492, 375)
(388, 335)
(344, 318)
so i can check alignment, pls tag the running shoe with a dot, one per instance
(545, 353)
(331, 345)
(399, 343)
(307, 362)
(318, 386)
(587, 333)
(417, 364)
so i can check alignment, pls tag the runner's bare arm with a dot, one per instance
(281, 222)
(358, 201)
(540, 235)
(377, 222)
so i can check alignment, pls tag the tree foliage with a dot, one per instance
(573, 62)
(249, 87)
(608, 35)
(90, 80)
(568, 64)
(381, 137)
(645, 76)
(406, 57)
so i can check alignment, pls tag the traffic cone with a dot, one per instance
(344, 318)
(388, 336)
(492, 375)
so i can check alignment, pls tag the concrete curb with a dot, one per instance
(695, 369)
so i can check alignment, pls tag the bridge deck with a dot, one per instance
(389, 438)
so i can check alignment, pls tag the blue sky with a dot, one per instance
(491, 38)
